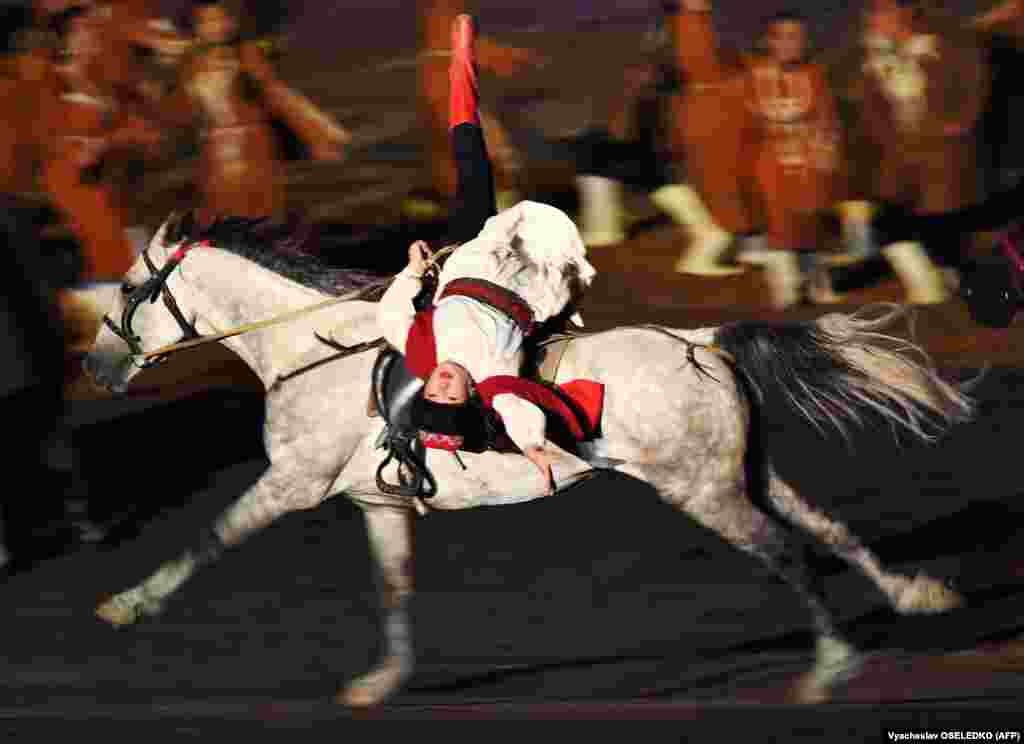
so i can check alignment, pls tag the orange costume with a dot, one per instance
(1006, 17)
(709, 120)
(83, 128)
(128, 26)
(232, 92)
(761, 143)
(923, 96)
(794, 141)
(19, 128)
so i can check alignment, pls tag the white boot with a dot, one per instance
(782, 270)
(601, 211)
(708, 243)
(921, 278)
(858, 242)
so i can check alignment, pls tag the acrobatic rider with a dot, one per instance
(522, 268)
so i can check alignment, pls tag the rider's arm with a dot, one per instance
(395, 311)
(524, 422)
(318, 130)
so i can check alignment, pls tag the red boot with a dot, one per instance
(462, 83)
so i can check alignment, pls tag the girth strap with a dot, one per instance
(552, 354)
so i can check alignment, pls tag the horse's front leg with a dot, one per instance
(390, 534)
(280, 490)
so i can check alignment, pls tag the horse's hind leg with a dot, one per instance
(907, 595)
(279, 491)
(721, 505)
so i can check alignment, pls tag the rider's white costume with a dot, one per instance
(533, 250)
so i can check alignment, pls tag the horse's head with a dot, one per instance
(152, 310)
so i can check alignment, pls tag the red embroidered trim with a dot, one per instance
(449, 442)
(497, 297)
(184, 250)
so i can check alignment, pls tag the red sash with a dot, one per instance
(577, 403)
(420, 345)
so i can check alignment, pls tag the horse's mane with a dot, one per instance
(284, 248)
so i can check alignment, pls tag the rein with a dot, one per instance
(157, 285)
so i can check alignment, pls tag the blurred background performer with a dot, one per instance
(796, 156)
(227, 88)
(709, 119)
(634, 150)
(628, 152)
(925, 84)
(1001, 28)
(86, 130)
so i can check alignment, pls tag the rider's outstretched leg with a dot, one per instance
(474, 196)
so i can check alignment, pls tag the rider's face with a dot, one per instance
(82, 39)
(787, 42)
(214, 24)
(449, 383)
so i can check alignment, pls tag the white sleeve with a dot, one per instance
(524, 422)
(395, 312)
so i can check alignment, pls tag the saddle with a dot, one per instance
(392, 392)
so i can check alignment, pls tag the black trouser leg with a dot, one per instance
(474, 195)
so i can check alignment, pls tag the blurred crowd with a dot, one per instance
(780, 155)
(772, 158)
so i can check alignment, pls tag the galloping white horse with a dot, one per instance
(677, 416)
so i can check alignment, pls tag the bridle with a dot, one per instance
(155, 286)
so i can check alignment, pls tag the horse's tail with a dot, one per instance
(840, 367)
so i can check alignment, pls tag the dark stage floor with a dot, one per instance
(520, 613)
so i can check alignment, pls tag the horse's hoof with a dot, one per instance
(808, 690)
(127, 608)
(118, 611)
(375, 687)
(924, 595)
(837, 661)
